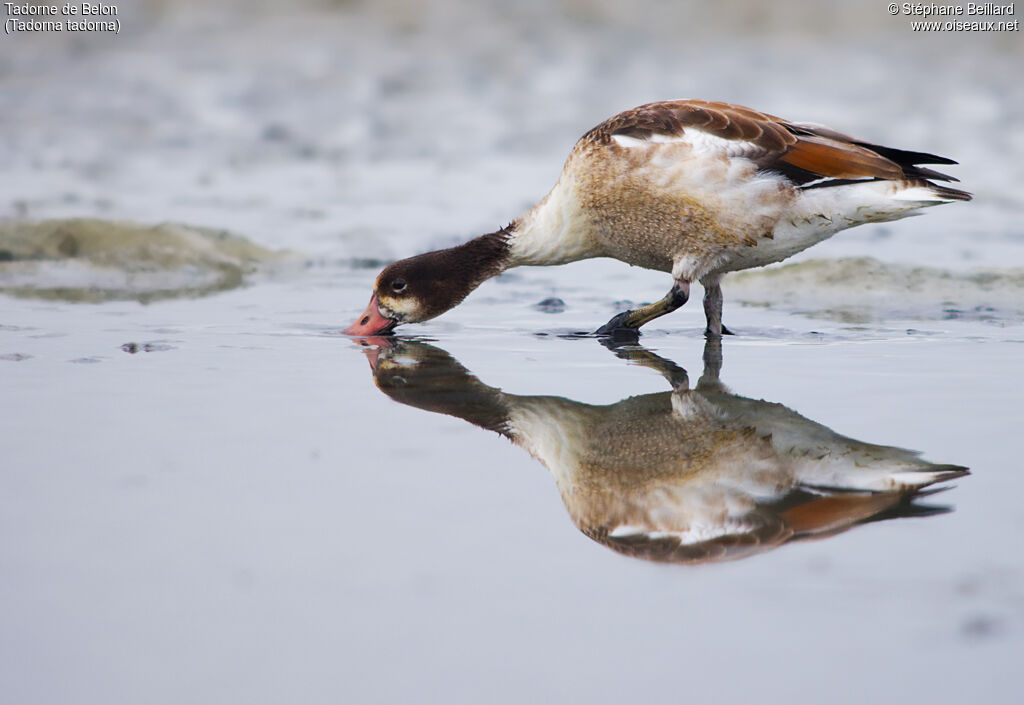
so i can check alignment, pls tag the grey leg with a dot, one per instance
(713, 307)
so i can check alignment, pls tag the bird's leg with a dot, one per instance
(627, 323)
(713, 308)
(710, 378)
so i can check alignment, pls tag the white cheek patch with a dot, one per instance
(404, 309)
(404, 361)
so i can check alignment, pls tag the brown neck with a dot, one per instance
(463, 268)
(483, 257)
(442, 279)
(439, 383)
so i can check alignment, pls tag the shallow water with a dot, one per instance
(205, 497)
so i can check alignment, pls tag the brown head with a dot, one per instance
(425, 286)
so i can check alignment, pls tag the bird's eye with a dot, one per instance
(398, 285)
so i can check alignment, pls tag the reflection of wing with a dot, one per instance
(684, 476)
(810, 516)
(824, 459)
(688, 478)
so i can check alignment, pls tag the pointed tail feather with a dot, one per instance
(929, 475)
(945, 193)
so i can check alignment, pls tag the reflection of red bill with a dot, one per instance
(372, 347)
(371, 322)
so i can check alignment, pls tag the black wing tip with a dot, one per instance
(925, 158)
(909, 161)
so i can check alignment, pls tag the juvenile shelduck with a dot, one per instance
(690, 187)
(690, 475)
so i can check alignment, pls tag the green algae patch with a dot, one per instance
(91, 260)
(864, 289)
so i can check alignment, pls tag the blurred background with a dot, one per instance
(303, 125)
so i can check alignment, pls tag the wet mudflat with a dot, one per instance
(206, 497)
(236, 497)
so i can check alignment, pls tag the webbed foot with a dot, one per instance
(708, 333)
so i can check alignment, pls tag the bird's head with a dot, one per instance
(425, 286)
(404, 292)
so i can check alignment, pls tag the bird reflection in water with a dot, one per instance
(687, 475)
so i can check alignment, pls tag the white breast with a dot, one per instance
(554, 232)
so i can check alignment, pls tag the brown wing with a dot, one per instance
(672, 118)
(802, 152)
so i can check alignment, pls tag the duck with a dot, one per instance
(693, 188)
(693, 475)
